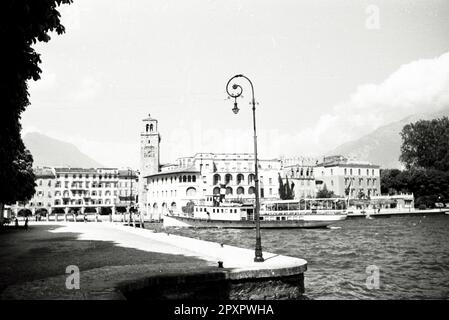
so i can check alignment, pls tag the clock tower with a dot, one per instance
(149, 147)
(149, 158)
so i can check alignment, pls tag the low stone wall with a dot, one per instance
(215, 286)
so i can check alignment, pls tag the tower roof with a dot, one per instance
(149, 118)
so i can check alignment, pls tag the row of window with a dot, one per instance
(87, 176)
(81, 202)
(191, 192)
(71, 202)
(80, 184)
(240, 178)
(239, 190)
(369, 181)
(180, 179)
(66, 194)
(217, 210)
(301, 172)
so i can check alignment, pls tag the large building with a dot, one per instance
(300, 171)
(165, 187)
(80, 190)
(340, 174)
(203, 175)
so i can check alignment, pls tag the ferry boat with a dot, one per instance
(273, 214)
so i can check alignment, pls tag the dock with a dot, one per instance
(385, 213)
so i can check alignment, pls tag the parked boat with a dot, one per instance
(273, 214)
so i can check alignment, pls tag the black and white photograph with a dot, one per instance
(215, 158)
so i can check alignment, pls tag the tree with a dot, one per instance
(425, 144)
(281, 187)
(22, 24)
(325, 193)
(390, 181)
(286, 191)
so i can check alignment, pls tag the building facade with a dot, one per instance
(201, 176)
(300, 171)
(340, 174)
(80, 190)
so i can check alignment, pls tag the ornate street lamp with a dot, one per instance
(236, 91)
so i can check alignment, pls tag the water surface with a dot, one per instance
(411, 252)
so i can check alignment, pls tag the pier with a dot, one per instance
(385, 213)
(121, 262)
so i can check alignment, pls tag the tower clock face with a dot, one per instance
(148, 152)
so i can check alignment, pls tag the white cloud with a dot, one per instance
(417, 87)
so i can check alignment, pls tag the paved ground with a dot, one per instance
(34, 262)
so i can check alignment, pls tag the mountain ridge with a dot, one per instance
(383, 145)
(52, 152)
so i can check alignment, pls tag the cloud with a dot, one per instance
(418, 87)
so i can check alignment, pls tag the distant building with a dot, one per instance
(338, 174)
(204, 175)
(79, 190)
(300, 171)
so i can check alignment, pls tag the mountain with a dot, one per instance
(383, 145)
(47, 151)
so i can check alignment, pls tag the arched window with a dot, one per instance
(190, 192)
(151, 127)
(217, 179)
(184, 179)
(147, 127)
(228, 190)
(240, 190)
(216, 190)
(228, 178)
(189, 178)
(250, 178)
(240, 178)
(251, 190)
(180, 179)
(173, 206)
(193, 178)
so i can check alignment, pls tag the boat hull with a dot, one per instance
(318, 221)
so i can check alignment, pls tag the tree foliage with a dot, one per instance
(425, 144)
(286, 190)
(325, 193)
(22, 24)
(428, 186)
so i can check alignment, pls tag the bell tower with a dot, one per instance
(149, 147)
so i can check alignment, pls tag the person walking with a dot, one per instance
(26, 223)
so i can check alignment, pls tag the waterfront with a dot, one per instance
(412, 253)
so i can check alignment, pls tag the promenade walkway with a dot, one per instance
(113, 258)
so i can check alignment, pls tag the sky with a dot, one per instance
(324, 73)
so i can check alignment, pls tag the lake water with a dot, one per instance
(411, 254)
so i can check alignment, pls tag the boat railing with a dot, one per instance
(301, 212)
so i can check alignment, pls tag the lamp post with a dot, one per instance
(235, 92)
(130, 196)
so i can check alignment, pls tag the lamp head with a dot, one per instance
(235, 109)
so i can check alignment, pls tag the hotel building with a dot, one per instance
(339, 173)
(80, 190)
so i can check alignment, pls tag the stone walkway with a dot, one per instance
(119, 256)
